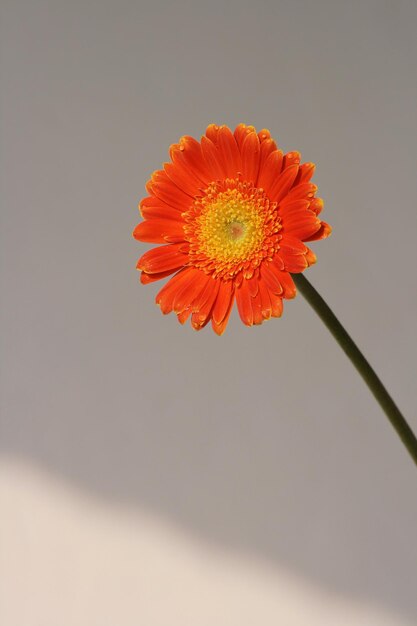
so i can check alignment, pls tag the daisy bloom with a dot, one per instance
(233, 213)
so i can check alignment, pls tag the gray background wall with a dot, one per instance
(264, 442)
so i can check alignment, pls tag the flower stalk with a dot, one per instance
(359, 361)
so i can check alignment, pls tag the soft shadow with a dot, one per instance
(240, 440)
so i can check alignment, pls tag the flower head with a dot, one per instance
(233, 213)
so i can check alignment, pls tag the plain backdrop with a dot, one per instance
(151, 474)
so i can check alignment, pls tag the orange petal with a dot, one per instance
(188, 153)
(304, 191)
(316, 205)
(267, 146)
(257, 309)
(270, 170)
(265, 135)
(165, 297)
(281, 185)
(276, 305)
(301, 226)
(196, 323)
(305, 173)
(219, 328)
(250, 157)
(151, 206)
(294, 207)
(212, 132)
(212, 158)
(287, 284)
(253, 285)
(195, 284)
(203, 304)
(164, 189)
(222, 304)
(145, 278)
(294, 263)
(293, 245)
(244, 304)
(271, 276)
(323, 232)
(184, 315)
(230, 154)
(183, 178)
(277, 262)
(160, 212)
(311, 258)
(238, 279)
(291, 158)
(159, 231)
(163, 258)
(241, 131)
(265, 299)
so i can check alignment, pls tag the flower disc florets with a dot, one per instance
(232, 226)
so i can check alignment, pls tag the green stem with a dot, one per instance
(355, 355)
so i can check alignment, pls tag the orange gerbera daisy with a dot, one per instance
(233, 212)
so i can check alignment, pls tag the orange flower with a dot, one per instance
(232, 212)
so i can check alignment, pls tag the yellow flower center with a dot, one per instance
(232, 227)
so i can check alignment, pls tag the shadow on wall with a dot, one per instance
(229, 438)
